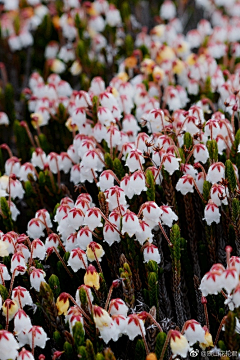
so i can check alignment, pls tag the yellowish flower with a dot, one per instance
(69, 125)
(91, 278)
(158, 30)
(158, 74)
(182, 48)
(208, 339)
(37, 120)
(165, 53)
(191, 59)
(179, 344)
(56, 22)
(4, 180)
(9, 308)
(151, 356)
(76, 68)
(3, 249)
(123, 76)
(62, 304)
(57, 66)
(94, 247)
(178, 67)
(130, 62)
(147, 66)
(101, 317)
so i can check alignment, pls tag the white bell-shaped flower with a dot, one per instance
(216, 172)
(151, 252)
(38, 249)
(22, 295)
(44, 215)
(84, 237)
(18, 259)
(185, 184)
(5, 273)
(118, 307)
(218, 194)
(200, 153)
(115, 197)
(22, 322)
(134, 159)
(130, 223)
(167, 215)
(151, 213)
(75, 217)
(137, 182)
(35, 228)
(230, 279)
(110, 235)
(25, 355)
(194, 332)
(211, 213)
(37, 337)
(144, 233)
(36, 277)
(8, 345)
(211, 283)
(93, 218)
(171, 163)
(77, 259)
(133, 327)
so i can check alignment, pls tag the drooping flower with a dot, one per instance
(62, 304)
(211, 213)
(8, 345)
(179, 344)
(194, 332)
(91, 277)
(94, 249)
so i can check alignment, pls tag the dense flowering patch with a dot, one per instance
(120, 188)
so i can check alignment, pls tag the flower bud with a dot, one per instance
(179, 344)
(62, 304)
(91, 278)
(94, 249)
(101, 317)
(9, 308)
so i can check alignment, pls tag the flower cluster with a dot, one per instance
(120, 187)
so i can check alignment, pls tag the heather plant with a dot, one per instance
(119, 186)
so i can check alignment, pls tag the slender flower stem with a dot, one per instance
(19, 300)
(108, 221)
(165, 235)
(108, 298)
(1, 276)
(165, 345)
(155, 322)
(63, 263)
(159, 169)
(12, 281)
(206, 315)
(58, 174)
(94, 176)
(79, 307)
(198, 191)
(7, 317)
(33, 334)
(143, 337)
(224, 294)
(25, 125)
(198, 165)
(219, 330)
(97, 261)
(6, 147)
